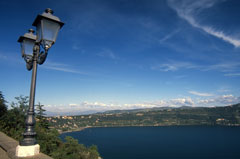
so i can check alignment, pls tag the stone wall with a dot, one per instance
(8, 149)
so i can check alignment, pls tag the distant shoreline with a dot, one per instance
(83, 128)
(79, 129)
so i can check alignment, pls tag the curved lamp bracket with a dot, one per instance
(29, 61)
(42, 57)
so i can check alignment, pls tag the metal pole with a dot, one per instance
(29, 134)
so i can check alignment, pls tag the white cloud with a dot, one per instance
(232, 74)
(165, 67)
(173, 66)
(188, 9)
(168, 36)
(72, 104)
(224, 89)
(3, 57)
(220, 100)
(86, 106)
(93, 107)
(206, 101)
(75, 47)
(107, 53)
(221, 35)
(181, 102)
(227, 99)
(62, 68)
(11, 57)
(94, 104)
(223, 67)
(139, 105)
(200, 94)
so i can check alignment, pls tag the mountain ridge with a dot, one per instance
(165, 116)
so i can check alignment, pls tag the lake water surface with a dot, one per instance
(183, 142)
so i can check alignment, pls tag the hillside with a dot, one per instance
(167, 116)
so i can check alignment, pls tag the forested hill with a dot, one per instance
(167, 116)
(143, 110)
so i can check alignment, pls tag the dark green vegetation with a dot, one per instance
(165, 116)
(12, 124)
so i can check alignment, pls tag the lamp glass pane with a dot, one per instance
(49, 31)
(39, 31)
(22, 49)
(27, 46)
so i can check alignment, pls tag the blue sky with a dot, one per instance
(126, 54)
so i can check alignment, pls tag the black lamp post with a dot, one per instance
(47, 26)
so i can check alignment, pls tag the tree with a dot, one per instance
(13, 123)
(72, 150)
(40, 111)
(40, 115)
(21, 104)
(3, 106)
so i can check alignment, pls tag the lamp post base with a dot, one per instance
(25, 151)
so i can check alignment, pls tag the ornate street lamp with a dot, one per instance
(27, 42)
(47, 26)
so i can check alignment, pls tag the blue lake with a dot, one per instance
(183, 142)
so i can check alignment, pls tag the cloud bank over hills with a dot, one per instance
(94, 107)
